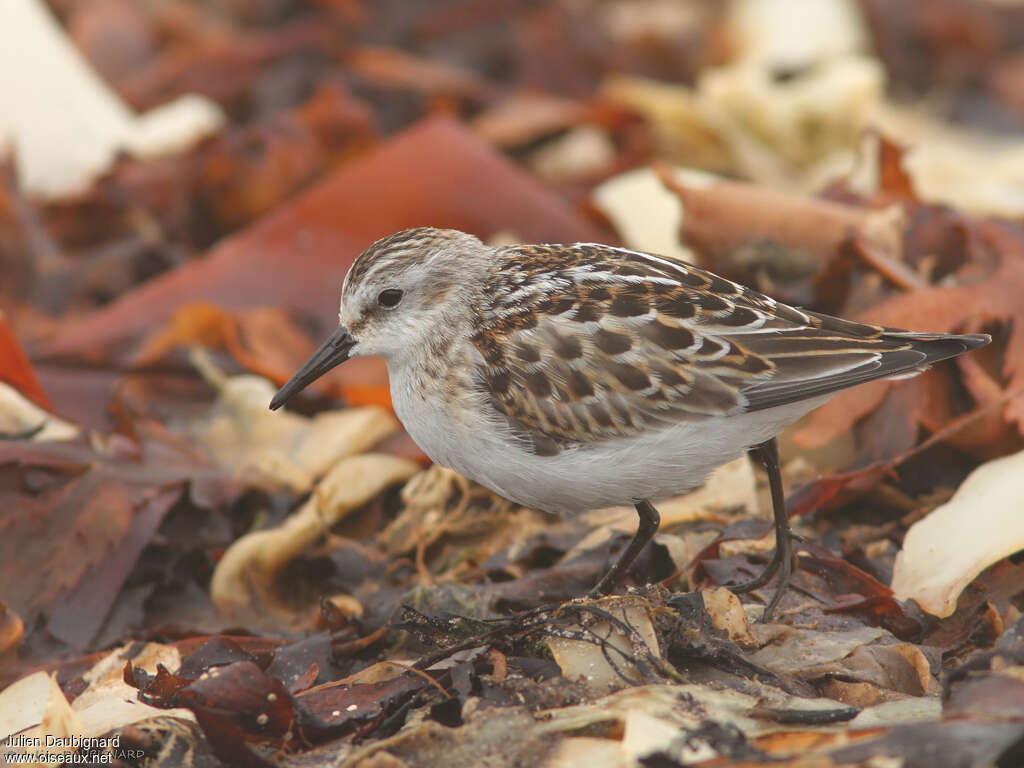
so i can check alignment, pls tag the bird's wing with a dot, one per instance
(587, 343)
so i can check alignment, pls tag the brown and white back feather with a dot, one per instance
(582, 344)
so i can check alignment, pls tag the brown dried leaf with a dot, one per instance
(524, 117)
(246, 172)
(965, 306)
(722, 216)
(392, 68)
(69, 540)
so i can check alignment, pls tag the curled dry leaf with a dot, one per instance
(862, 654)
(276, 449)
(264, 340)
(979, 526)
(233, 701)
(726, 215)
(727, 614)
(243, 582)
(789, 134)
(744, 119)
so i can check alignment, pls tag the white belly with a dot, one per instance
(652, 466)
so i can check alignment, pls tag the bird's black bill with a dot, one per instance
(331, 353)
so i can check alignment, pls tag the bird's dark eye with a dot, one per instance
(389, 298)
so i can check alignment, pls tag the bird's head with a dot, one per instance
(395, 299)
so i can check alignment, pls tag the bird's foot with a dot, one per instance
(783, 562)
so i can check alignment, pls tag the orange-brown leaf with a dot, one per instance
(15, 368)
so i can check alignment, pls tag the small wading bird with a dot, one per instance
(574, 377)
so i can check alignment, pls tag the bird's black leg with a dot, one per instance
(645, 530)
(782, 559)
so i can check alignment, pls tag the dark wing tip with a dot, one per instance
(974, 340)
(938, 347)
(896, 354)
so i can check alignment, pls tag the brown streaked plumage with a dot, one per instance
(568, 377)
(647, 342)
